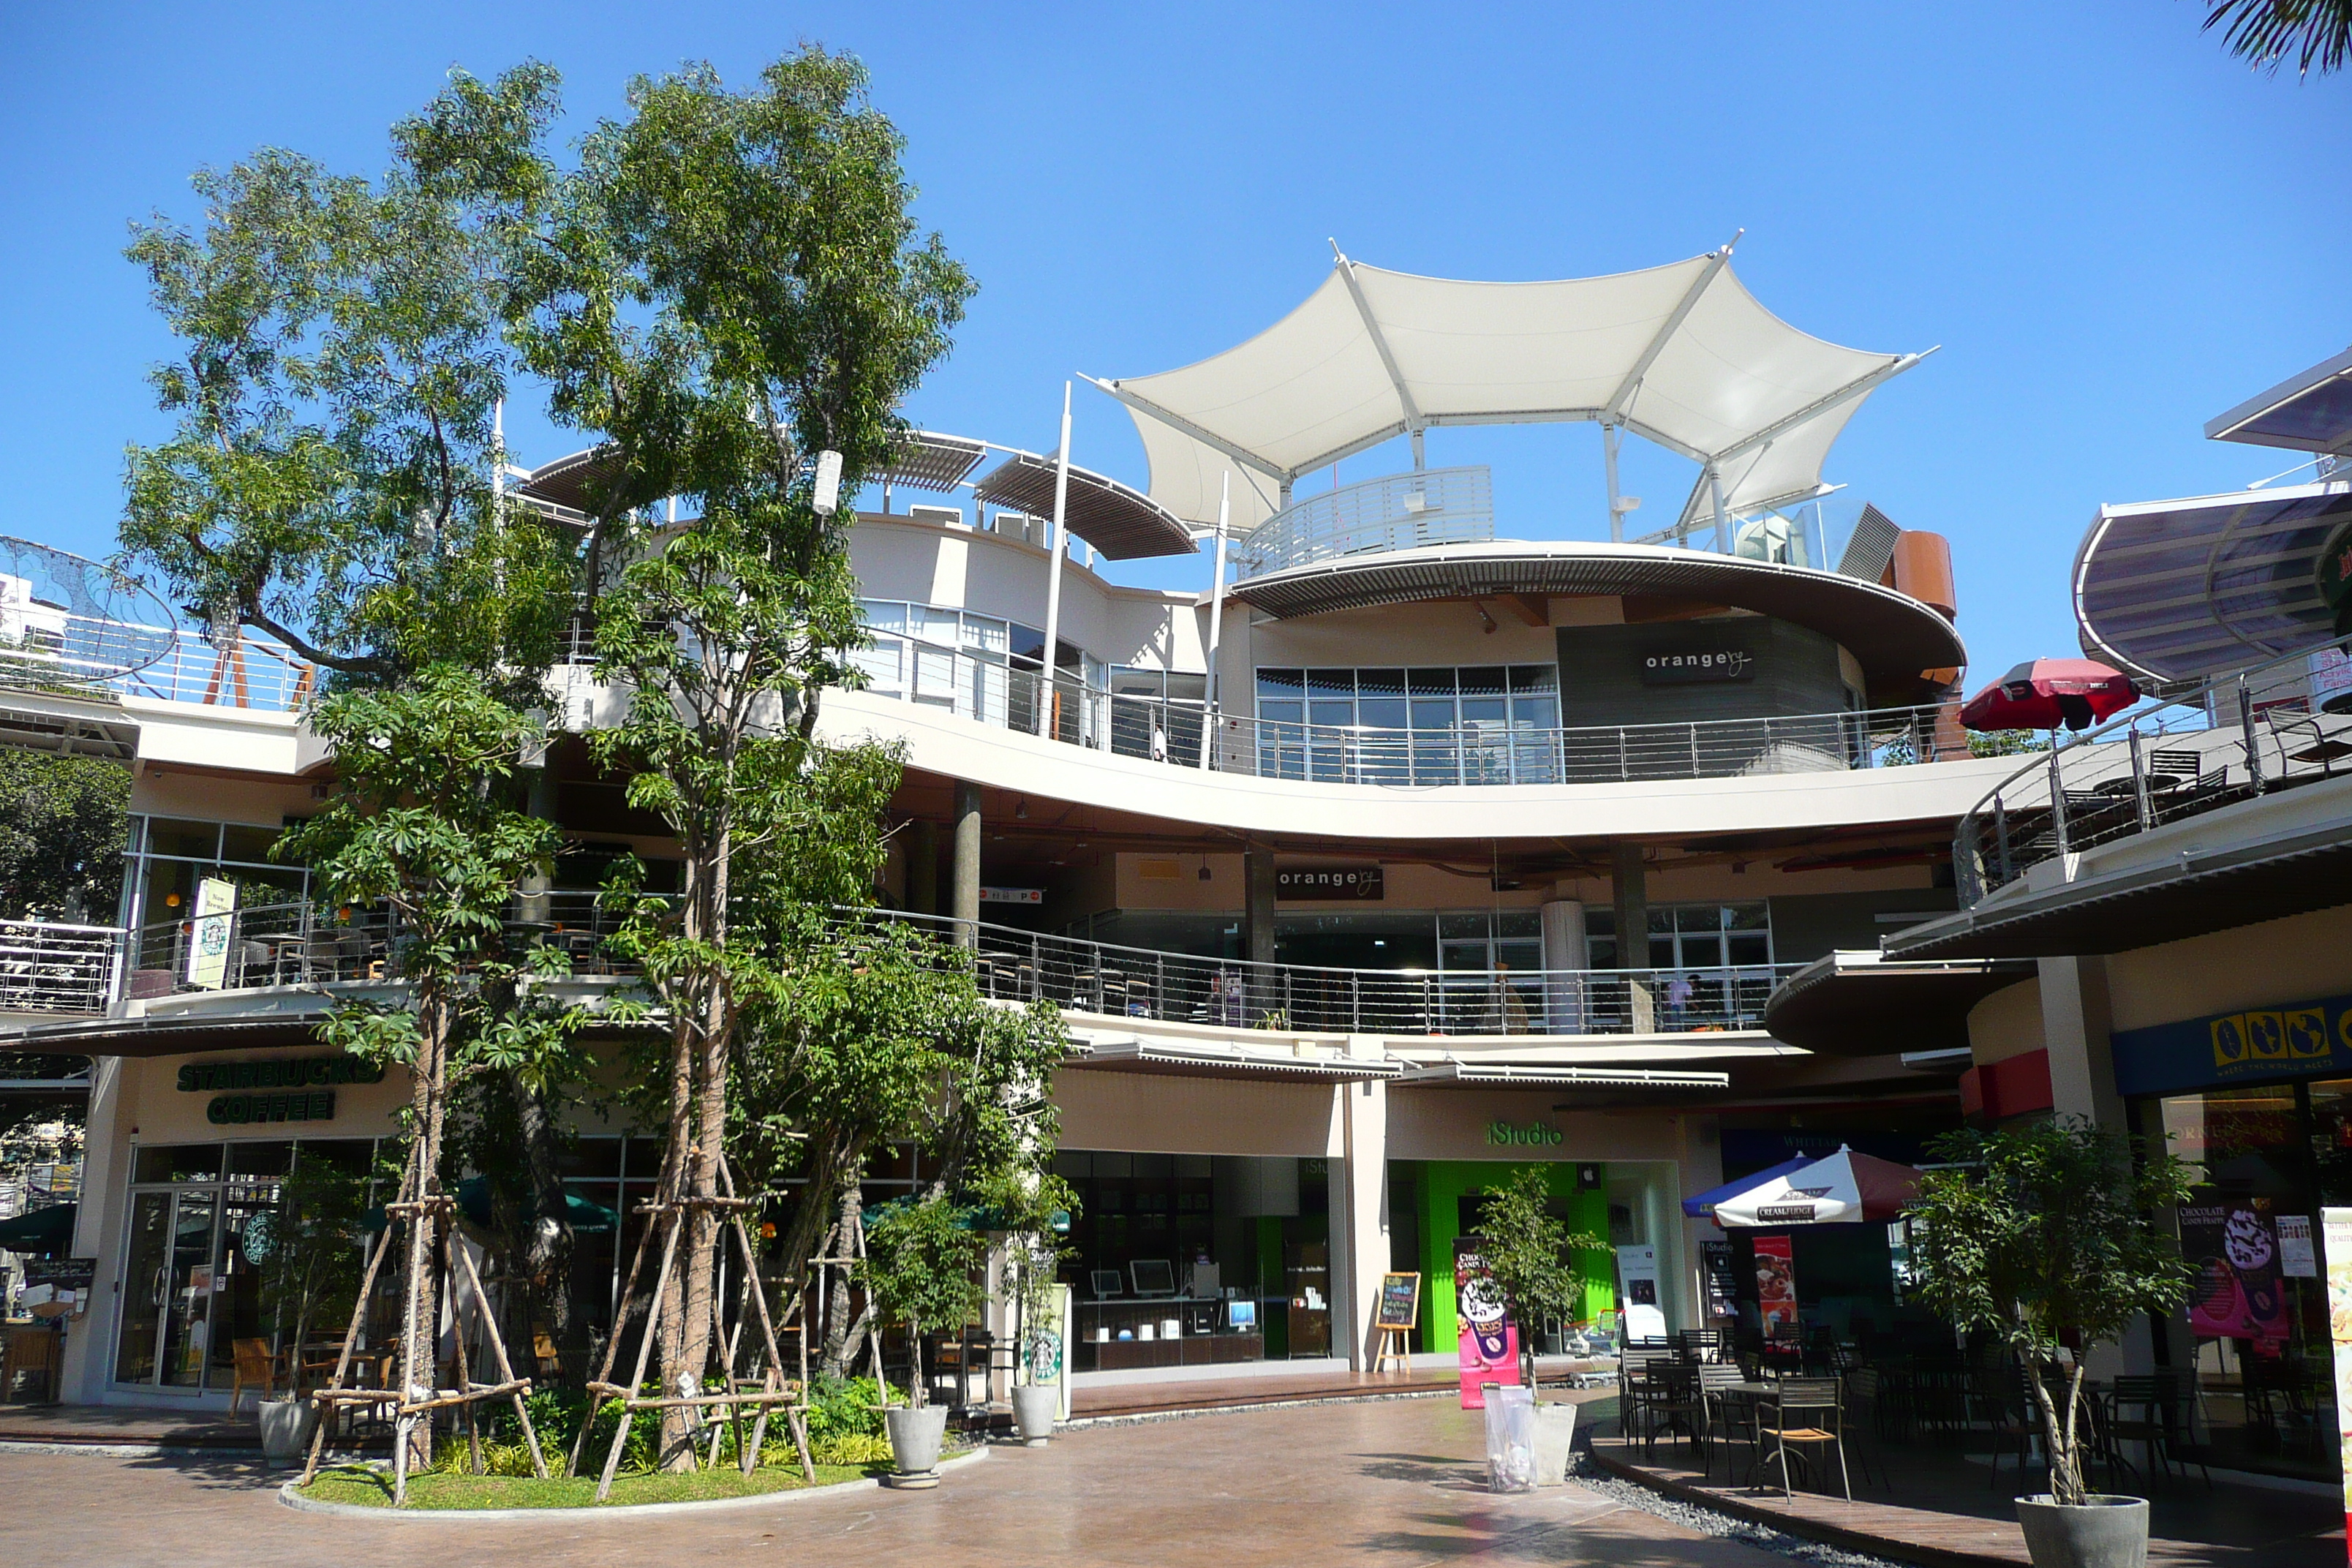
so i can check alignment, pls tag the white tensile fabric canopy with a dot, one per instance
(1681, 354)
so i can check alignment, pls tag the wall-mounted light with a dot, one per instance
(828, 483)
(1021, 810)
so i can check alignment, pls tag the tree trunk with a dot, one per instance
(2058, 1433)
(548, 1239)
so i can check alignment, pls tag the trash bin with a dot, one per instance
(1555, 1441)
(1510, 1438)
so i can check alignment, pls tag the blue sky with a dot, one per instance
(2113, 230)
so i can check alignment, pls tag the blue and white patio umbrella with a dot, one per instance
(1846, 1188)
(1702, 1206)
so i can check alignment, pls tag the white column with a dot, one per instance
(1216, 624)
(97, 1233)
(1360, 1214)
(1564, 964)
(2076, 1018)
(1053, 576)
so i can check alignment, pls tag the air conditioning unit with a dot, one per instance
(938, 516)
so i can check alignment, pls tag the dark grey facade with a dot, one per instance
(1673, 672)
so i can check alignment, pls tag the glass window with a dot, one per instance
(942, 628)
(884, 614)
(178, 1162)
(1463, 922)
(247, 844)
(266, 1157)
(1433, 682)
(1481, 680)
(1329, 683)
(187, 840)
(1535, 678)
(987, 633)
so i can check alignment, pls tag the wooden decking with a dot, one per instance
(1940, 1510)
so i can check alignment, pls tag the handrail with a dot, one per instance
(1395, 511)
(1169, 729)
(53, 967)
(2230, 738)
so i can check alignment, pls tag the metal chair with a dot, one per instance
(1808, 1412)
(2153, 1409)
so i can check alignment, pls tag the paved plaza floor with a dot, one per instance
(1390, 1483)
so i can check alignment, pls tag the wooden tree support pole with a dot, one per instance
(644, 1351)
(351, 1334)
(613, 1347)
(516, 1387)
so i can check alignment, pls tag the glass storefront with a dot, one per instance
(2267, 1157)
(190, 1289)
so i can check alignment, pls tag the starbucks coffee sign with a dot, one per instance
(302, 1088)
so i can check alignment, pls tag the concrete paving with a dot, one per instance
(1394, 1483)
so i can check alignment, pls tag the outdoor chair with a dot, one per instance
(31, 1352)
(1864, 1392)
(2153, 1409)
(1809, 1412)
(255, 1368)
(1679, 1404)
(1700, 1344)
(1637, 1389)
(1717, 1406)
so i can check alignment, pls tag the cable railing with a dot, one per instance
(1167, 729)
(2231, 738)
(1396, 511)
(48, 650)
(1143, 983)
(50, 968)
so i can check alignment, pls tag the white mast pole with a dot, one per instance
(1722, 518)
(1216, 618)
(1054, 569)
(1609, 460)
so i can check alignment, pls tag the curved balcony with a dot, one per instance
(1397, 511)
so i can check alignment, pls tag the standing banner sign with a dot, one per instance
(1637, 1283)
(2335, 1241)
(2238, 1293)
(1489, 1340)
(208, 936)
(1776, 1280)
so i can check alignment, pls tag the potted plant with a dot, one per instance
(1034, 1207)
(922, 1263)
(2045, 1237)
(1528, 1251)
(308, 1248)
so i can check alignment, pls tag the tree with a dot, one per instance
(2264, 33)
(1529, 1254)
(727, 284)
(309, 1247)
(2043, 1237)
(62, 823)
(423, 824)
(922, 1269)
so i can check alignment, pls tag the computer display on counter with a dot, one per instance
(1154, 1277)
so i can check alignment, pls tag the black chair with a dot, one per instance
(1700, 1345)
(1864, 1392)
(2154, 1409)
(1808, 1412)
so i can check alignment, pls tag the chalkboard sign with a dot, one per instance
(1400, 1301)
(63, 1273)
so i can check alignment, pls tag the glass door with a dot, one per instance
(143, 1292)
(169, 1281)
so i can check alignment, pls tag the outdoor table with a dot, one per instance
(281, 945)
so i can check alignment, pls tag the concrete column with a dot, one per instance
(1360, 1214)
(967, 864)
(1631, 893)
(97, 1233)
(1257, 908)
(923, 867)
(2075, 1019)
(1564, 962)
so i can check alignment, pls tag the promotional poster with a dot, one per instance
(1776, 1280)
(2238, 1293)
(1637, 1278)
(1490, 1340)
(2336, 1233)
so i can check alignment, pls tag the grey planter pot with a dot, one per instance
(915, 1440)
(1555, 1441)
(1035, 1407)
(2100, 1531)
(287, 1426)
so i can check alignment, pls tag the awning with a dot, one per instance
(1865, 1005)
(1846, 1188)
(2182, 590)
(2311, 411)
(47, 1230)
(1114, 519)
(1520, 1075)
(1681, 354)
(474, 1201)
(1209, 1060)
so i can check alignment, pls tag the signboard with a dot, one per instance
(1328, 882)
(1504, 1133)
(1637, 1293)
(61, 1273)
(2298, 1039)
(208, 934)
(2238, 1292)
(1012, 895)
(1722, 1285)
(1400, 1305)
(2298, 1257)
(2335, 1231)
(1776, 1281)
(311, 1079)
(1696, 665)
(1489, 1341)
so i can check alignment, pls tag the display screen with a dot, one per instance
(1241, 1314)
(1154, 1277)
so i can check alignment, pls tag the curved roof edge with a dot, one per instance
(1895, 637)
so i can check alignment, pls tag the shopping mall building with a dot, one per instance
(1389, 853)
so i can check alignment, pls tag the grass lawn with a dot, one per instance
(370, 1488)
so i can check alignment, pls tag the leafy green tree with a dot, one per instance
(727, 283)
(2044, 1236)
(2317, 34)
(1531, 1255)
(310, 1249)
(922, 1271)
(62, 827)
(424, 824)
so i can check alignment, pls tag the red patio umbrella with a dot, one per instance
(2044, 693)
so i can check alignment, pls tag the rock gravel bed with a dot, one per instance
(1707, 1521)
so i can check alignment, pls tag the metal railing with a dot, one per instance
(1142, 983)
(2231, 739)
(1169, 729)
(50, 968)
(48, 650)
(1397, 511)
(308, 943)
